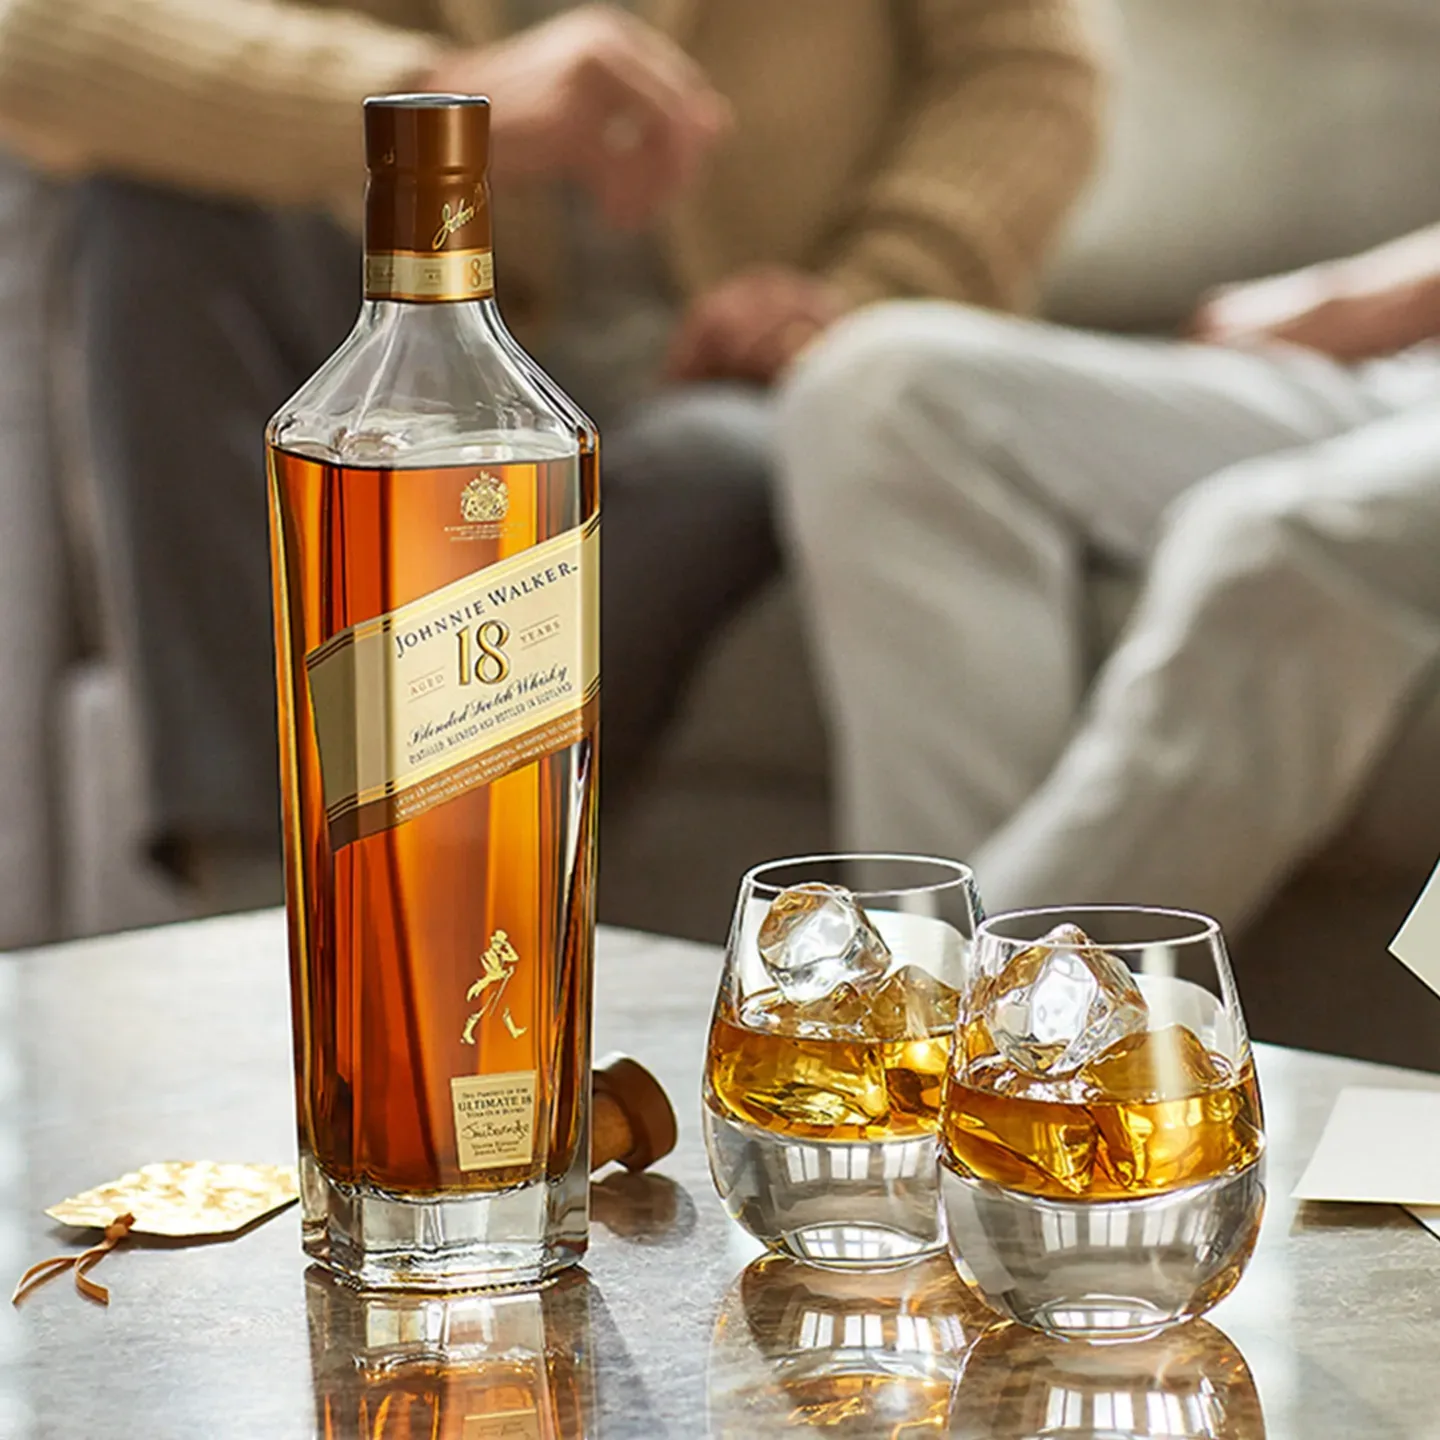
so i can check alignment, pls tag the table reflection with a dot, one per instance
(1190, 1383)
(798, 1348)
(516, 1366)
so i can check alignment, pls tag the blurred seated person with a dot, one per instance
(953, 477)
(684, 197)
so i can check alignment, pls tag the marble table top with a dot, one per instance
(174, 1044)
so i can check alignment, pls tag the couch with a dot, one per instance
(1249, 135)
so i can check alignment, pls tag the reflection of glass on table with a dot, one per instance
(398, 1366)
(797, 1347)
(1190, 1383)
(1102, 1143)
(828, 1047)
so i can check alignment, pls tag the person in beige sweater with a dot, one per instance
(686, 195)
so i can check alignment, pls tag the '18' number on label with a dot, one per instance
(483, 658)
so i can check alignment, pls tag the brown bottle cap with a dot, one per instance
(428, 196)
(428, 135)
(647, 1107)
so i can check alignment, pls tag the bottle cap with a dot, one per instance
(427, 204)
(428, 135)
(646, 1105)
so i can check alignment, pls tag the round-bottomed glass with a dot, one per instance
(828, 1046)
(1102, 1146)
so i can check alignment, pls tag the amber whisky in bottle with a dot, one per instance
(434, 523)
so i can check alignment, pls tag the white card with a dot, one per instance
(1418, 942)
(1379, 1146)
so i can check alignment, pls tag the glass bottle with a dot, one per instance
(434, 524)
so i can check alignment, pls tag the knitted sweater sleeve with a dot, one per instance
(993, 145)
(252, 99)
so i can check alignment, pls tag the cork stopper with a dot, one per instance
(428, 195)
(632, 1120)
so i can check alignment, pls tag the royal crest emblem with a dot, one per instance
(485, 498)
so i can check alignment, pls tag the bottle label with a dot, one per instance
(434, 277)
(494, 1119)
(452, 691)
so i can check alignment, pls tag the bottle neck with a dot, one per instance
(441, 319)
(427, 238)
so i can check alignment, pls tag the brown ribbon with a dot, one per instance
(83, 1263)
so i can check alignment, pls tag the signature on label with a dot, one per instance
(452, 221)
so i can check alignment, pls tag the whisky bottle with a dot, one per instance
(434, 530)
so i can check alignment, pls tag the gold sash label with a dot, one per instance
(445, 275)
(454, 690)
(494, 1119)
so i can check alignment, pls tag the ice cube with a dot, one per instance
(1167, 1064)
(974, 1044)
(812, 1089)
(842, 1014)
(911, 1004)
(1159, 1146)
(1059, 1003)
(997, 1076)
(1050, 1142)
(816, 937)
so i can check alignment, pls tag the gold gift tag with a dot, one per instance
(184, 1198)
(179, 1198)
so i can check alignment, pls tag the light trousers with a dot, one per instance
(954, 480)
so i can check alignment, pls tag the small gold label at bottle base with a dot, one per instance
(413, 275)
(506, 1425)
(494, 1119)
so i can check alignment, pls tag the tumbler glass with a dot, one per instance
(827, 1050)
(1101, 1139)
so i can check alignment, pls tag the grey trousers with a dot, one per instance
(951, 480)
(35, 638)
(199, 319)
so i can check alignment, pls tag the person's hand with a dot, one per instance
(596, 95)
(751, 326)
(1371, 305)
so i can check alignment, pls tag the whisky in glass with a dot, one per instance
(828, 1046)
(1101, 1139)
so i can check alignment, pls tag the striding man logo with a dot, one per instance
(497, 965)
(485, 498)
